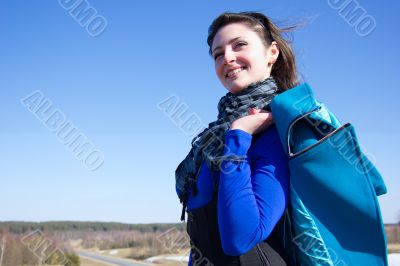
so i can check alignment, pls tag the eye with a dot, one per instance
(240, 44)
(216, 56)
(236, 45)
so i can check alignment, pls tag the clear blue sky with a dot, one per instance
(109, 86)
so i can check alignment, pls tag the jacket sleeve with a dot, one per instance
(252, 195)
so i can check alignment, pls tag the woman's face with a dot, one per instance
(240, 57)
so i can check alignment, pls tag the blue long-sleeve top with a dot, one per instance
(252, 194)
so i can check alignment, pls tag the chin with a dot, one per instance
(237, 86)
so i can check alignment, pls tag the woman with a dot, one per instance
(234, 182)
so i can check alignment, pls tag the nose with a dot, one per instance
(229, 56)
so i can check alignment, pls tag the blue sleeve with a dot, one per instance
(251, 196)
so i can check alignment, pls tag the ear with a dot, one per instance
(273, 51)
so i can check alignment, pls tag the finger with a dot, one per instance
(253, 111)
(264, 113)
(267, 121)
(266, 116)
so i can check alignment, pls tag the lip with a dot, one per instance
(233, 68)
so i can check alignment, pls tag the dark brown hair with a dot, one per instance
(284, 70)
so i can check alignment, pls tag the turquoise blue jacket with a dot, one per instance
(333, 217)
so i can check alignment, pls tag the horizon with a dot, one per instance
(398, 223)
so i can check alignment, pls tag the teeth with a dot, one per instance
(230, 73)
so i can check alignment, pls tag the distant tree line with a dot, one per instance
(392, 233)
(16, 227)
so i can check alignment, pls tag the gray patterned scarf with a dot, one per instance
(209, 144)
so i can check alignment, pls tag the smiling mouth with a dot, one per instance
(235, 72)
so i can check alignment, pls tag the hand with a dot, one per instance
(257, 121)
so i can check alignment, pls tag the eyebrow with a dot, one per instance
(231, 41)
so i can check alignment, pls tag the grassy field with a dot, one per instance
(394, 248)
(87, 262)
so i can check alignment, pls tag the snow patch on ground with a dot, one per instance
(113, 252)
(172, 257)
(394, 259)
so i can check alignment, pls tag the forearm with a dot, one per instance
(250, 201)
